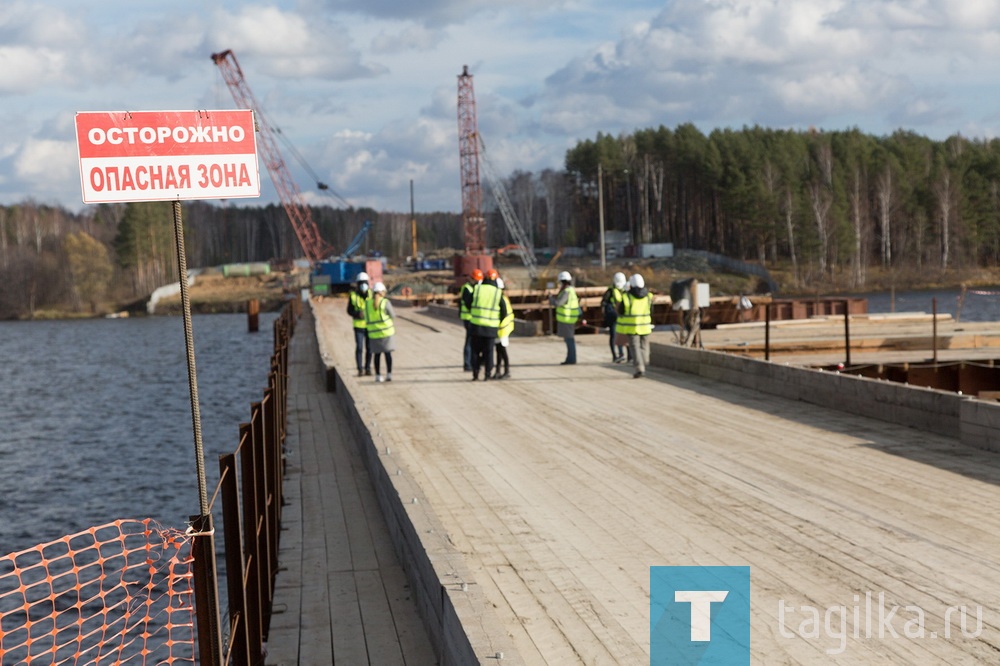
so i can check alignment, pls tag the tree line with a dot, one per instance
(55, 259)
(819, 203)
(822, 203)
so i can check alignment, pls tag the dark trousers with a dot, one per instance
(361, 346)
(482, 355)
(467, 350)
(503, 361)
(388, 363)
(570, 350)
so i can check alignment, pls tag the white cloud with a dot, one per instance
(46, 159)
(366, 89)
(412, 38)
(287, 45)
(23, 69)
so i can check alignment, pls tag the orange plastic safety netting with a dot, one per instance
(119, 593)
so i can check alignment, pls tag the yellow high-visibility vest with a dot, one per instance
(507, 323)
(358, 302)
(569, 312)
(379, 323)
(485, 306)
(637, 318)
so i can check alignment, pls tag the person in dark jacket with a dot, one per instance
(609, 308)
(356, 308)
(474, 278)
(486, 309)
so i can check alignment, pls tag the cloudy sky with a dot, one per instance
(365, 90)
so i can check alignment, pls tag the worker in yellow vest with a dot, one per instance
(486, 310)
(381, 331)
(610, 301)
(474, 278)
(503, 334)
(567, 314)
(635, 319)
(356, 309)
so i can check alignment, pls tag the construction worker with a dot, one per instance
(474, 278)
(567, 314)
(381, 331)
(503, 335)
(610, 301)
(635, 318)
(486, 310)
(356, 309)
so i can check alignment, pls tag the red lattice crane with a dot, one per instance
(299, 214)
(472, 193)
(468, 153)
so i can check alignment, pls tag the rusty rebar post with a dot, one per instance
(847, 333)
(203, 545)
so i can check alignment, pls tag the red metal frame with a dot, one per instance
(468, 152)
(313, 245)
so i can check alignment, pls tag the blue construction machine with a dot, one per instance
(335, 275)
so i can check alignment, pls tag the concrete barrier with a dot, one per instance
(970, 420)
(522, 327)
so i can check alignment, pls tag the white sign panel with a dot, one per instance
(167, 155)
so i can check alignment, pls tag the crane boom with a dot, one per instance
(299, 214)
(507, 212)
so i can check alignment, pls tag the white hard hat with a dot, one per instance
(379, 287)
(619, 280)
(500, 283)
(564, 277)
(362, 277)
(636, 281)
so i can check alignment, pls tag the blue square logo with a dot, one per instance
(699, 616)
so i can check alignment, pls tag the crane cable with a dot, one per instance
(320, 185)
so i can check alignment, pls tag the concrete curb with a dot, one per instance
(972, 421)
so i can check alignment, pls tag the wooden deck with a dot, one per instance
(341, 595)
(559, 488)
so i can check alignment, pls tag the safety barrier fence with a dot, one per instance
(119, 593)
(133, 592)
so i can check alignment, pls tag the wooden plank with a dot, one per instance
(561, 487)
(347, 628)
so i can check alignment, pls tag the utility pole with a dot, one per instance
(600, 212)
(413, 223)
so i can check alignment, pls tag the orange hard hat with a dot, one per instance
(492, 274)
(477, 275)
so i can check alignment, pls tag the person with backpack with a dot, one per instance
(609, 307)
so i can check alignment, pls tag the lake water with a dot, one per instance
(980, 304)
(95, 418)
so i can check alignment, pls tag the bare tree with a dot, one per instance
(943, 192)
(884, 197)
(857, 203)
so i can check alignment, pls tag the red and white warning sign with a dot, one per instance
(167, 155)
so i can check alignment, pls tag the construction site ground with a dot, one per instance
(559, 488)
(905, 337)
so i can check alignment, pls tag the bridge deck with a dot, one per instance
(561, 486)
